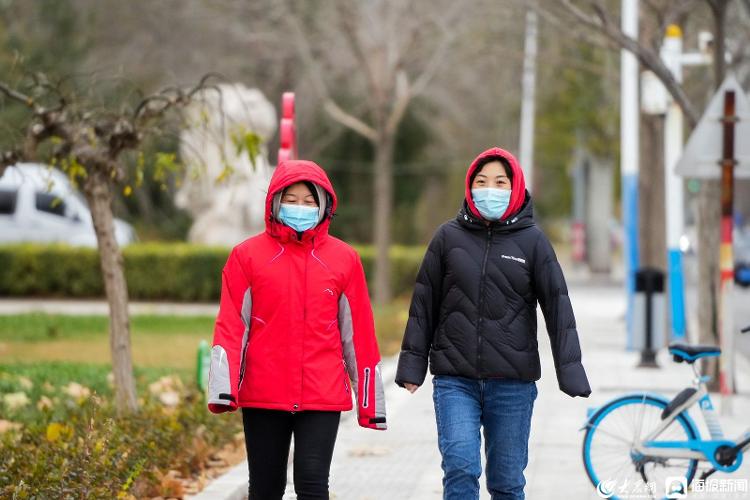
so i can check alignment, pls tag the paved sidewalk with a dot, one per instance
(403, 462)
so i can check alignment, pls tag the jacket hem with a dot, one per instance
(291, 407)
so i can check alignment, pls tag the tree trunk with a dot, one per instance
(383, 209)
(709, 214)
(709, 218)
(652, 237)
(598, 216)
(99, 196)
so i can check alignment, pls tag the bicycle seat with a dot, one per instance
(689, 353)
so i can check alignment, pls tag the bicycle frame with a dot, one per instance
(698, 449)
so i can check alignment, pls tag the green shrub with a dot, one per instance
(154, 271)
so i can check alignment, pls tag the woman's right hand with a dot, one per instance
(411, 387)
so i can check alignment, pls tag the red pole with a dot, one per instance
(728, 162)
(287, 129)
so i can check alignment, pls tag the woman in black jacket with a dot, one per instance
(473, 315)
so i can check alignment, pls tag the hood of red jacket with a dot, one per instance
(518, 186)
(286, 174)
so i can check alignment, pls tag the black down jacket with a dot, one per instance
(473, 311)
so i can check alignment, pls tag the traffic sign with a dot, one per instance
(703, 154)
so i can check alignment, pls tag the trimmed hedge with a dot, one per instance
(154, 271)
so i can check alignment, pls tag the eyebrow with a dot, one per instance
(501, 176)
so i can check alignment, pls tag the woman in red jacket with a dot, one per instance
(294, 336)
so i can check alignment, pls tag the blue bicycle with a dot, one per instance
(646, 440)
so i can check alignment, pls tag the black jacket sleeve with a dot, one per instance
(552, 294)
(423, 316)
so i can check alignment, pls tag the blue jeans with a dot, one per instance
(503, 407)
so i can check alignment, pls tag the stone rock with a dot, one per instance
(229, 210)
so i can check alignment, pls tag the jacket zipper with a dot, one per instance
(304, 323)
(481, 300)
(366, 389)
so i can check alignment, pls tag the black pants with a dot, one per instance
(268, 434)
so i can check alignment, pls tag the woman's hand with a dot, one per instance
(411, 387)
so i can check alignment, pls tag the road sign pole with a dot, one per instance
(726, 325)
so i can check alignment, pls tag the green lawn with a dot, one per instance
(158, 341)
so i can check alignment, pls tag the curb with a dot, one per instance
(232, 485)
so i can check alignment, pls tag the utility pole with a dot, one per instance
(629, 151)
(675, 59)
(527, 101)
(674, 201)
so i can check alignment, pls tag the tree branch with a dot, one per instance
(17, 96)
(349, 121)
(449, 35)
(331, 107)
(647, 57)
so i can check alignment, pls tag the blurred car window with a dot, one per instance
(8, 201)
(50, 203)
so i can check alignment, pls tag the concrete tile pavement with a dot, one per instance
(404, 463)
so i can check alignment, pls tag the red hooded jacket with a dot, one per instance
(295, 329)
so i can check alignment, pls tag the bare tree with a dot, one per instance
(397, 48)
(88, 143)
(596, 15)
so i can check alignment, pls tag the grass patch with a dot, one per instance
(41, 327)
(166, 341)
(390, 322)
(49, 377)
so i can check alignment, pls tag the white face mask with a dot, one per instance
(298, 217)
(491, 202)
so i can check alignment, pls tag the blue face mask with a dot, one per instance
(298, 217)
(491, 202)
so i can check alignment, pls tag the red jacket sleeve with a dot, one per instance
(360, 347)
(231, 332)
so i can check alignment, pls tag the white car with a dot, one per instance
(39, 204)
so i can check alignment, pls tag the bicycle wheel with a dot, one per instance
(611, 463)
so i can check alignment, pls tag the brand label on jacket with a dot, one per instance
(510, 257)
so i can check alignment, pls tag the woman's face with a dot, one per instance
(491, 175)
(298, 194)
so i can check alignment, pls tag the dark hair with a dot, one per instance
(310, 186)
(313, 190)
(489, 159)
